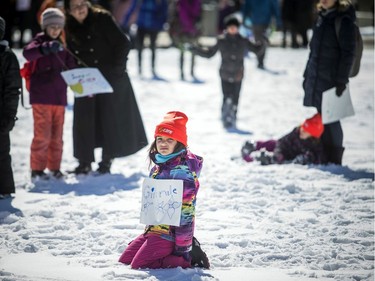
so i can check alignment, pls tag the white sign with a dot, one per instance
(335, 108)
(161, 202)
(86, 81)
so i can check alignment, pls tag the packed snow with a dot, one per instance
(277, 222)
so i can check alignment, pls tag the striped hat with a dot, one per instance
(52, 16)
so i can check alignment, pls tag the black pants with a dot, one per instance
(231, 96)
(141, 34)
(333, 135)
(6, 173)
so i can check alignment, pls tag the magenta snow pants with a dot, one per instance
(152, 251)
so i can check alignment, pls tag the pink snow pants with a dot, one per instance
(152, 251)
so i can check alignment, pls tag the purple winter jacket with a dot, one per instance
(46, 83)
(189, 14)
(187, 167)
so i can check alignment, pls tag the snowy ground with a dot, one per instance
(281, 222)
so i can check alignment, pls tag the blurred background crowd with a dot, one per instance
(297, 18)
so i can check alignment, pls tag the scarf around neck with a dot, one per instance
(164, 158)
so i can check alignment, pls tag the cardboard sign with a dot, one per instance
(161, 202)
(335, 108)
(86, 81)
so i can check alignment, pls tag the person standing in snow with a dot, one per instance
(260, 14)
(301, 146)
(108, 121)
(330, 60)
(184, 29)
(232, 47)
(48, 94)
(152, 16)
(10, 89)
(166, 246)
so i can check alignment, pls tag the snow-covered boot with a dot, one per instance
(198, 256)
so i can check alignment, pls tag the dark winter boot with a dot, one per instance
(198, 256)
(83, 168)
(334, 154)
(266, 158)
(36, 174)
(228, 114)
(105, 166)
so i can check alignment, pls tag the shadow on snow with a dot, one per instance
(89, 184)
(345, 171)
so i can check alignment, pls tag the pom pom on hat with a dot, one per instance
(314, 125)
(173, 126)
(52, 16)
(2, 28)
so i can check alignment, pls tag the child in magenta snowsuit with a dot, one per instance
(166, 246)
(301, 146)
(48, 93)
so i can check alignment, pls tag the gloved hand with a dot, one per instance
(300, 159)
(7, 124)
(340, 88)
(185, 255)
(51, 47)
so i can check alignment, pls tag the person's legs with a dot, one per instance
(182, 58)
(132, 249)
(42, 136)
(6, 173)
(153, 35)
(152, 252)
(260, 36)
(235, 98)
(332, 139)
(55, 147)
(139, 45)
(269, 145)
(226, 107)
(84, 127)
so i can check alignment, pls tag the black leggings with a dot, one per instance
(141, 34)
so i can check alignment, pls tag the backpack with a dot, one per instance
(26, 71)
(358, 46)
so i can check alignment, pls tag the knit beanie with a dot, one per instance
(173, 126)
(2, 28)
(52, 16)
(231, 20)
(314, 125)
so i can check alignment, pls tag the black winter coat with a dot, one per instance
(292, 148)
(10, 89)
(330, 57)
(111, 121)
(233, 49)
(10, 82)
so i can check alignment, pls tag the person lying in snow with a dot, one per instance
(301, 146)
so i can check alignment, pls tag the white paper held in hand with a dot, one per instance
(86, 81)
(161, 201)
(335, 108)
